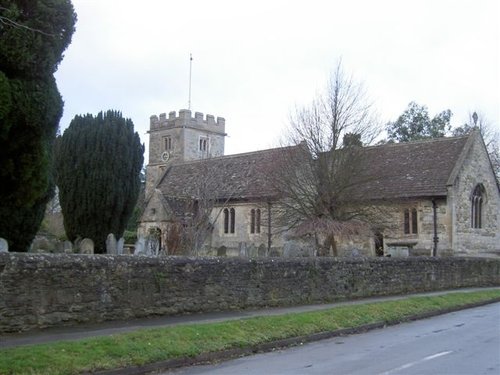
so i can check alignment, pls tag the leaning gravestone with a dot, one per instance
(87, 246)
(111, 244)
(4, 246)
(119, 246)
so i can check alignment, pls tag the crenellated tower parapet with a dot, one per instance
(182, 137)
(185, 119)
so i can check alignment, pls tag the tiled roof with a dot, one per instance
(405, 170)
(398, 170)
(241, 176)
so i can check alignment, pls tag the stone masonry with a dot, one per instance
(45, 290)
(185, 133)
(475, 241)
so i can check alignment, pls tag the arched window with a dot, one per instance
(229, 218)
(226, 220)
(477, 200)
(255, 220)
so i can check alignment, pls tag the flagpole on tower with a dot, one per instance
(190, 70)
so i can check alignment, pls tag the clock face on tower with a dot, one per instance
(165, 156)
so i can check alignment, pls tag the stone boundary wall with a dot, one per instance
(46, 290)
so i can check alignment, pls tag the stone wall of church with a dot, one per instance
(390, 221)
(391, 226)
(476, 170)
(242, 242)
(54, 290)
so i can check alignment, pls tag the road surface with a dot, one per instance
(463, 342)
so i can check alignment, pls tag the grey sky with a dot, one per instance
(254, 61)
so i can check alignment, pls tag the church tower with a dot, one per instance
(177, 139)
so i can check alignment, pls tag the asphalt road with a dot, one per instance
(463, 342)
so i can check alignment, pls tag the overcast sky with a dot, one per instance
(254, 61)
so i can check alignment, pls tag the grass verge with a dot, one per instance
(160, 344)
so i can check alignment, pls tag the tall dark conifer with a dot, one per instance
(33, 36)
(99, 160)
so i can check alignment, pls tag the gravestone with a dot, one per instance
(67, 247)
(4, 246)
(297, 248)
(59, 247)
(41, 244)
(355, 252)
(251, 251)
(111, 244)
(222, 251)
(87, 246)
(119, 246)
(243, 249)
(140, 246)
(152, 247)
(262, 250)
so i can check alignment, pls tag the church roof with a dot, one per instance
(389, 171)
(240, 176)
(405, 170)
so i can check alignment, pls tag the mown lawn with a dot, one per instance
(159, 344)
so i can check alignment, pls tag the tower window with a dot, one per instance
(168, 143)
(477, 200)
(203, 144)
(410, 221)
(255, 221)
(229, 220)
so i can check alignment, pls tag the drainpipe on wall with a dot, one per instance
(435, 238)
(269, 235)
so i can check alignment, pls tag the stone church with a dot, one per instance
(438, 196)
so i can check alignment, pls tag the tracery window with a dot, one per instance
(255, 220)
(410, 221)
(477, 200)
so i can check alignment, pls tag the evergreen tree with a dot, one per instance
(415, 124)
(98, 160)
(33, 36)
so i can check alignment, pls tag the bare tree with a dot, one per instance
(316, 185)
(198, 208)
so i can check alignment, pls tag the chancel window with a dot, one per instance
(255, 220)
(229, 220)
(410, 221)
(477, 200)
